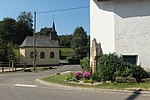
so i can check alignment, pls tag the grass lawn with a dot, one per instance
(66, 51)
(59, 79)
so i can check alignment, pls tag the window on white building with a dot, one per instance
(132, 59)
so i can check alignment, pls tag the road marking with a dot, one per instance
(24, 85)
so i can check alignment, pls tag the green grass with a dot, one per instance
(59, 79)
(66, 51)
(56, 79)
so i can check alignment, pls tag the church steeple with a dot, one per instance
(53, 27)
(53, 33)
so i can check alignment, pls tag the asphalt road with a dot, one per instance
(22, 86)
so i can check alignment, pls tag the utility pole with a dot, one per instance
(34, 43)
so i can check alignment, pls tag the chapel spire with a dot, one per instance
(53, 33)
(53, 27)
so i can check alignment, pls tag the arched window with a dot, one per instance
(31, 54)
(42, 55)
(52, 55)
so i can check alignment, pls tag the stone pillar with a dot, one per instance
(96, 52)
(94, 66)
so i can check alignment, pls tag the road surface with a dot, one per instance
(22, 86)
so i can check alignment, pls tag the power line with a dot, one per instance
(59, 10)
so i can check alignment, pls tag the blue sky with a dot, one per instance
(65, 21)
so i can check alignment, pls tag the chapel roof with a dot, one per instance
(41, 42)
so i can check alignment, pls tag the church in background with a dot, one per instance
(47, 49)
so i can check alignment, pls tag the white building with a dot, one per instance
(122, 26)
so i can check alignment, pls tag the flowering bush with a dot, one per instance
(86, 75)
(78, 75)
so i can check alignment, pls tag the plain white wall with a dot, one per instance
(132, 29)
(102, 24)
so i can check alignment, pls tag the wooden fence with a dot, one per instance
(12, 66)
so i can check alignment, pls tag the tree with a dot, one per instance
(16, 31)
(27, 19)
(88, 47)
(8, 28)
(6, 47)
(65, 40)
(51, 32)
(45, 31)
(6, 51)
(79, 42)
(23, 27)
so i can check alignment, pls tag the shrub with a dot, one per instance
(78, 75)
(69, 77)
(96, 77)
(85, 64)
(73, 60)
(138, 72)
(63, 57)
(110, 66)
(86, 75)
(107, 65)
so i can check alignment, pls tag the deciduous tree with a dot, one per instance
(79, 42)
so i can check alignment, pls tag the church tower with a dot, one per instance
(53, 33)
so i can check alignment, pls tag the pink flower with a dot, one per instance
(86, 75)
(78, 75)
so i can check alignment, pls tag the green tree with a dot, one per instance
(65, 40)
(88, 47)
(27, 19)
(79, 42)
(6, 47)
(16, 31)
(23, 27)
(45, 31)
(6, 36)
(8, 25)
(51, 32)
(6, 51)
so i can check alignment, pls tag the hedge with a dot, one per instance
(110, 66)
(73, 60)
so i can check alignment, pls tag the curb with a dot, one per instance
(93, 89)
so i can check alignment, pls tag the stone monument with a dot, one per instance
(96, 52)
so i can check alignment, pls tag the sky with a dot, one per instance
(65, 21)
